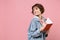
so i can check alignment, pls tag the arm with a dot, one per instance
(47, 33)
(35, 32)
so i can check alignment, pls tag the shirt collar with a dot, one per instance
(36, 17)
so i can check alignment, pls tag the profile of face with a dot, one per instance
(36, 11)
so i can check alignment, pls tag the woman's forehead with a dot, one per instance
(35, 7)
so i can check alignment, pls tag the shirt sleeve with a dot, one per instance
(35, 32)
(44, 33)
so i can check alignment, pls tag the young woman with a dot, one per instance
(37, 24)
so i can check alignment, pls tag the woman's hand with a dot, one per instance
(43, 24)
(41, 29)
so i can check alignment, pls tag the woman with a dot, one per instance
(37, 24)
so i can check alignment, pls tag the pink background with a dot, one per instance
(15, 17)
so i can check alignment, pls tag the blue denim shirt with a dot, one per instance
(34, 32)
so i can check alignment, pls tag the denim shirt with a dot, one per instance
(34, 32)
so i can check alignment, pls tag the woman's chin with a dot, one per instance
(37, 15)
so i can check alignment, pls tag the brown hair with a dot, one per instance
(39, 6)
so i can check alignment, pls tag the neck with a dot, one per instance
(40, 16)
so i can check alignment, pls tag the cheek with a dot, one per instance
(39, 11)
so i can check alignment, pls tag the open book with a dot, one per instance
(49, 24)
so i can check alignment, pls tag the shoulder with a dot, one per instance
(35, 20)
(44, 19)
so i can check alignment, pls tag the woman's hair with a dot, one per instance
(39, 6)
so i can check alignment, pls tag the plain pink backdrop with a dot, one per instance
(15, 17)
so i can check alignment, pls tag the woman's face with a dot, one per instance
(36, 11)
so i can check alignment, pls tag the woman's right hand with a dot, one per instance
(41, 29)
(44, 24)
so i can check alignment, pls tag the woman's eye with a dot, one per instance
(36, 8)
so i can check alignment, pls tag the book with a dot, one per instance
(49, 24)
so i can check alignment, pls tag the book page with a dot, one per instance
(48, 21)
